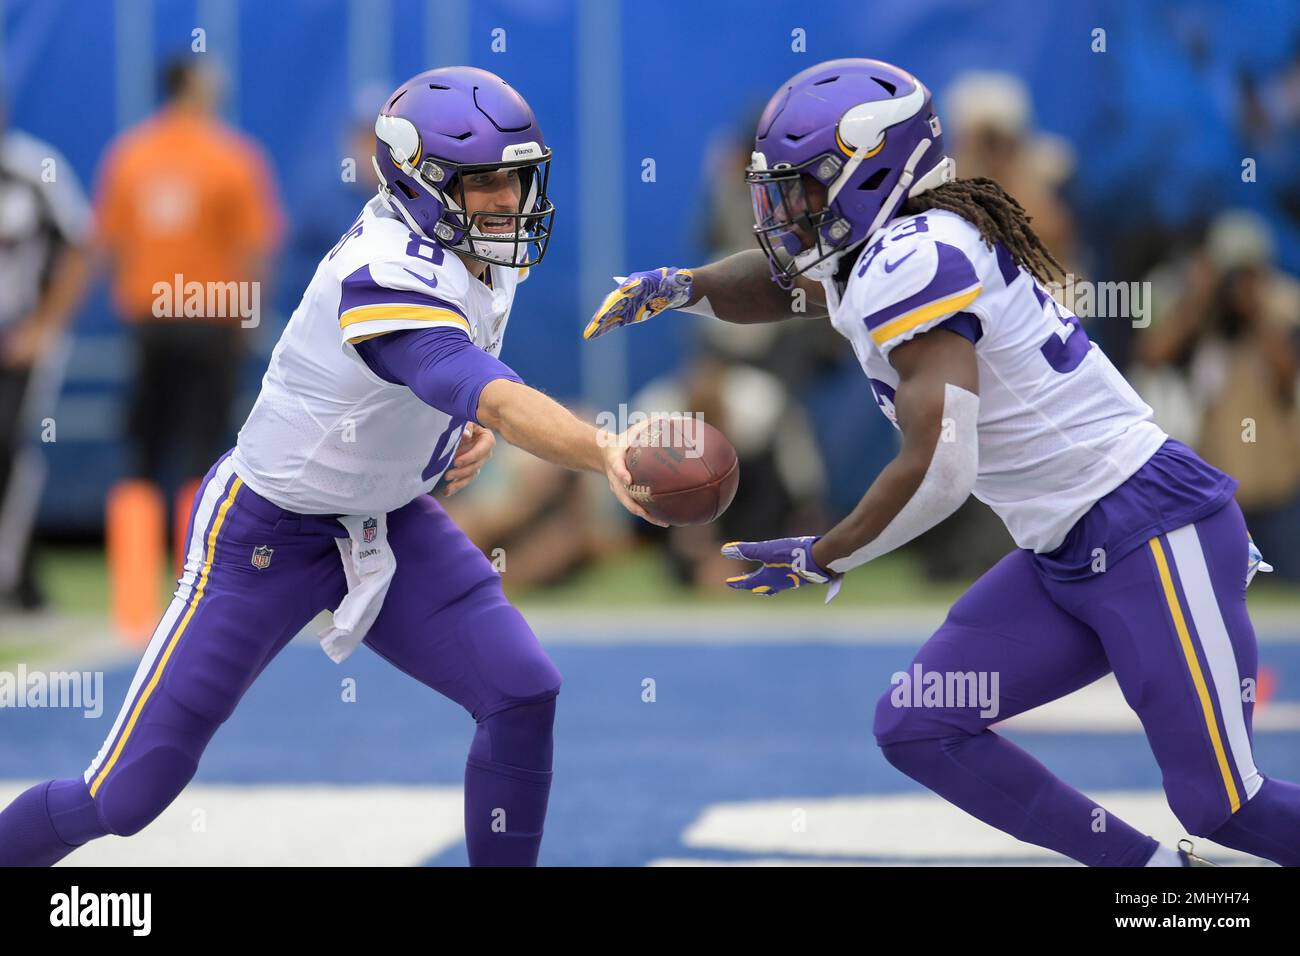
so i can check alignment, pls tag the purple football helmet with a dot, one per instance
(866, 134)
(445, 124)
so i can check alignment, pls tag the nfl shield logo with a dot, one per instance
(369, 529)
(262, 557)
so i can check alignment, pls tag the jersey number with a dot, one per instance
(426, 249)
(901, 231)
(443, 451)
(1066, 347)
(354, 231)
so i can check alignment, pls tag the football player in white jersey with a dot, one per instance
(385, 382)
(1132, 554)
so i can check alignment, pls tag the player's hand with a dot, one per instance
(787, 563)
(614, 450)
(642, 295)
(475, 448)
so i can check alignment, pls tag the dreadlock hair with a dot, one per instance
(997, 216)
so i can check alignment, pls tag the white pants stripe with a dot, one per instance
(213, 493)
(1212, 633)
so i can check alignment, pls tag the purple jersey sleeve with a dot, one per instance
(441, 366)
(964, 324)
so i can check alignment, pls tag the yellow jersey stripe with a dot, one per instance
(1198, 678)
(210, 553)
(910, 320)
(419, 313)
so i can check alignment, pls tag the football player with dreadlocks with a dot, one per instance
(385, 381)
(1132, 556)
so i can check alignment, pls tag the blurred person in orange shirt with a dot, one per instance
(187, 218)
(184, 199)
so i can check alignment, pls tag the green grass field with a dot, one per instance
(77, 582)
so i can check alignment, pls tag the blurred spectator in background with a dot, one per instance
(334, 202)
(989, 117)
(183, 194)
(1219, 365)
(44, 264)
(538, 524)
(1269, 119)
(184, 203)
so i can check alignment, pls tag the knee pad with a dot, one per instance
(890, 722)
(1199, 812)
(156, 763)
(519, 736)
(899, 723)
(511, 663)
(133, 795)
(907, 756)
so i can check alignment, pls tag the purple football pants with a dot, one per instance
(1169, 619)
(445, 622)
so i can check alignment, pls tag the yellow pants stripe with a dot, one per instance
(200, 587)
(1198, 678)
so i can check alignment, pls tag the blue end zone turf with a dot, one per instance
(730, 723)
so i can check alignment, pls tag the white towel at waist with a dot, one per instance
(369, 566)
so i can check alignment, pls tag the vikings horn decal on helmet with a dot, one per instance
(859, 135)
(446, 124)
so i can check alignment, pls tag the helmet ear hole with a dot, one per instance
(875, 179)
(406, 190)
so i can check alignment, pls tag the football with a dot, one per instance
(684, 471)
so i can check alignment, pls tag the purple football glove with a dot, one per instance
(787, 563)
(641, 295)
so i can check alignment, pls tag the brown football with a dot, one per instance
(684, 471)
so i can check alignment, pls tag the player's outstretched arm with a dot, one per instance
(936, 403)
(738, 289)
(543, 427)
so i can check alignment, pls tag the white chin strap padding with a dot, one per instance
(817, 271)
(944, 171)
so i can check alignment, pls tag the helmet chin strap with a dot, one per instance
(944, 171)
(900, 187)
(393, 203)
(825, 268)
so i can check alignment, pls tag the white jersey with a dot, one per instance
(1059, 427)
(329, 436)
